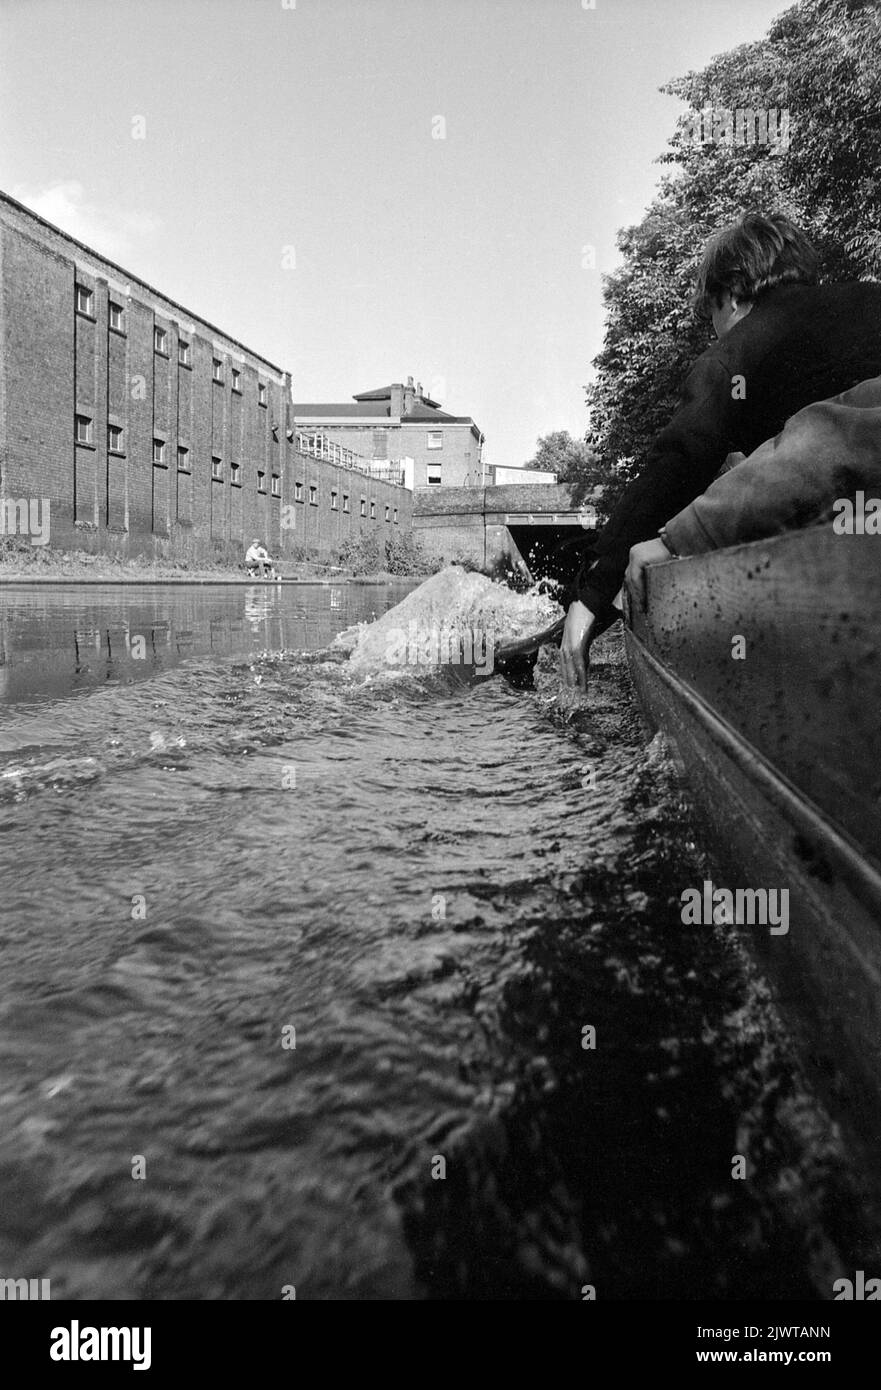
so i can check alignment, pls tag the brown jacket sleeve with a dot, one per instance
(824, 452)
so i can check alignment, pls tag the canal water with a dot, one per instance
(299, 964)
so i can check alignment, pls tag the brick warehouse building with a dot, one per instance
(150, 431)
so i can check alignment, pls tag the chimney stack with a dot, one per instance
(408, 396)
(396, 404)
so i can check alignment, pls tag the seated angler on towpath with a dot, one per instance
(258, 559)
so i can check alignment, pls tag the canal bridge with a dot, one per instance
(539, 526)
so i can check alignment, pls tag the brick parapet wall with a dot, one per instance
(516, 498)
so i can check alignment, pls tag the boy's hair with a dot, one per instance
(751, 256)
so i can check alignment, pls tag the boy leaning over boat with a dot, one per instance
(783, 342)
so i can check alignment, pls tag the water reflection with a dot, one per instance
(57, 640)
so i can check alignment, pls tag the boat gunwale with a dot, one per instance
(844, 856)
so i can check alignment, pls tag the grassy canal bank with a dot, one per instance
(21, 562)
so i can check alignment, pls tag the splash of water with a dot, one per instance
(455, 617)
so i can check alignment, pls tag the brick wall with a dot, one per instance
(36, 377)
(459, 523)
(459, 458)
(56, 363)
(323, 519)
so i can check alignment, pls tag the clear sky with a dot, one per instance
(290, 186)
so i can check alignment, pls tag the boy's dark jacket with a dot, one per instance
(797, 345)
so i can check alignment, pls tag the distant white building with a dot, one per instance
(500, 474)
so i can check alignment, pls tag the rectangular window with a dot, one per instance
(388, 513)
(216, 369)
(261, 480)
(434, 473)
(236, 380)
(183, 352)
(380, 444)
(313, 496)
(158, 450)
(83, 430)
(114, 439)
(334, 501)
(234, 475)
(261, 393)
(216, 468)
(345, 501)
(160, 338)
(373, 511)
(363, 506)
(84, 300)
(116, 320)
(298, 492)
(184, 494)
(183, 459)
(396, 516)
(276, 485)
(435, 439)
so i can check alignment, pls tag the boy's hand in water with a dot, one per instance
(578, 633)
(647, 553)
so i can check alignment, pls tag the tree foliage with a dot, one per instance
(570, 459)
(821, 61)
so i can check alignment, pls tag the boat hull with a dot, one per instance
(762, 667)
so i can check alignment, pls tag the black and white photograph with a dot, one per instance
(440, 669)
